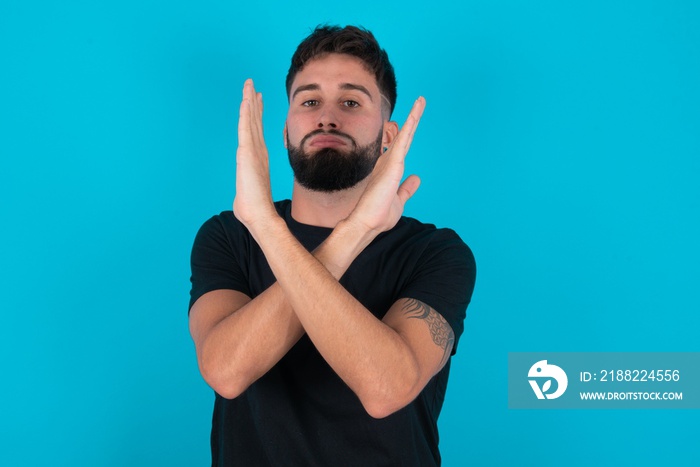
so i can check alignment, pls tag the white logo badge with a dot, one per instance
(542, 370)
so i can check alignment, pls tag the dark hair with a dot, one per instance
(350, 40)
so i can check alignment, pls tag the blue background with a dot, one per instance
(561, 140)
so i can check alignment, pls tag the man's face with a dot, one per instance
(335, 129)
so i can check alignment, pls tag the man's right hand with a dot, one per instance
(253, 202)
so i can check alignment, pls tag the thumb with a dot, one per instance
(408, 188)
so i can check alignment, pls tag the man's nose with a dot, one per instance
(327, 119)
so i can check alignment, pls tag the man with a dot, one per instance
(325, 324)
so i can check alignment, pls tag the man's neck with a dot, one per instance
(324, 209)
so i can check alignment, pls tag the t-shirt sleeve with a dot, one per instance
(217, 257)
(444, 279)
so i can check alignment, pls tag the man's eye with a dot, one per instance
(350, 103)
(310, 103)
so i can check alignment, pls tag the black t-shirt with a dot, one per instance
(300, 413)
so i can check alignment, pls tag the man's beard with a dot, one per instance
(330, 170)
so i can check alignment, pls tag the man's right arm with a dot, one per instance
(238, 340)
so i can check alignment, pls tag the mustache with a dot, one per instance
(327, 132)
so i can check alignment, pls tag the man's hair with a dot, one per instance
(350, 40)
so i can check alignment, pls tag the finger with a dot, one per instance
(255, 99)
(254, 106)
(408, 188)
(415, 115)
(248, 82)
(244, 133)
(250, 94)
(258, 113)
(417, 109)
(405, 137)
(248, 89)
(248, 121)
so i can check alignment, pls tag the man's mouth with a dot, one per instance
(327, 141)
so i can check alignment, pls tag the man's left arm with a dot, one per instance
(385, 362)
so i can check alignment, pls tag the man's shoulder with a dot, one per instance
(411, 226)
(431, 240)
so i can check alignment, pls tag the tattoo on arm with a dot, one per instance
(440, 330)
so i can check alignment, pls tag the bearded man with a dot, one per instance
(326, 324)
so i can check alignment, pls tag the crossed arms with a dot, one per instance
(385, 362)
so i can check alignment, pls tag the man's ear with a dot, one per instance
(284, 135)
(391, 129)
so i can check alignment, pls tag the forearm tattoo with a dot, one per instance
(440, 330)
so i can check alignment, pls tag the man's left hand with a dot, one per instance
(383, 200)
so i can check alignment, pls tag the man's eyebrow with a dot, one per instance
(343, 86)
(356, 87)
(305, 87)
